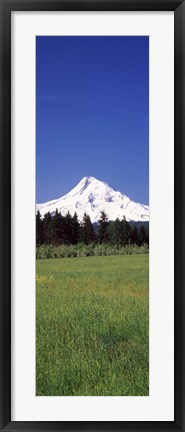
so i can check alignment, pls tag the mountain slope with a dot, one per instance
(93, 196)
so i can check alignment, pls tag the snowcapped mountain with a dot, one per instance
(93, 196)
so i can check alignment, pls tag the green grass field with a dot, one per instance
(93, 326)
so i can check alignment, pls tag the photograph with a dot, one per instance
(92, 216)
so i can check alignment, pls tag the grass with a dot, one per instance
(92, 326)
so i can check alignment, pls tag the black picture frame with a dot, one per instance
(6, 6)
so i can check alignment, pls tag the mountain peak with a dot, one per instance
(93, 196)
(90, 183)
(87, 180)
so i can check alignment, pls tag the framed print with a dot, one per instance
(92, 215)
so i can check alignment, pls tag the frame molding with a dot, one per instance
(6, 6)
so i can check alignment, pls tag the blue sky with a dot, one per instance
(92, 114)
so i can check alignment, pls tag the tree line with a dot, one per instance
(59, 229)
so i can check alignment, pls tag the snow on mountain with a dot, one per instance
(93, 196)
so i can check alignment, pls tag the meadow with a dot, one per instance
(92, 326)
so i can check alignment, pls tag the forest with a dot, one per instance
(67, 230)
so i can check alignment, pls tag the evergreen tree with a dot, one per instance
(114, 232)
(124, 233)
(57, 228)
(39, 229)
(133, 235)
(75, 235)
(142, 236)
(103, 234)
(48, 228)
(68, 228)
(87, 231)
(147, 236)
